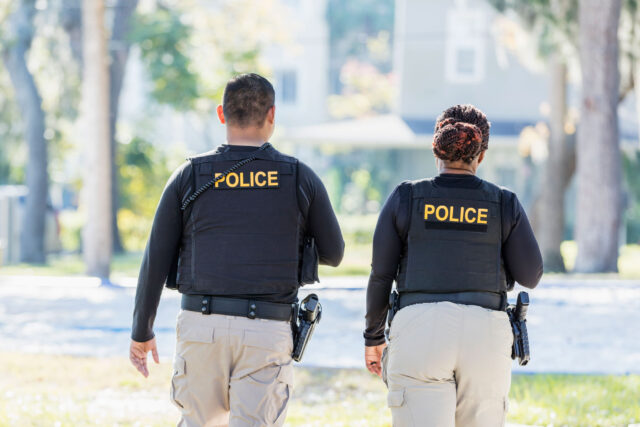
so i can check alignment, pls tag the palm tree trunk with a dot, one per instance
(30, 103)
(97, 243)
(599, 202)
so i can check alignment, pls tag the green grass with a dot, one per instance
(356, 262)
(123, 265)
(40, 390)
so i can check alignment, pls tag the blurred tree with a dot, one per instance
(20, 32)
(119, 46)
(599, 203)
(366, 91)
(162, 39)
(97, 245)
(555, 25)
(631, 162)
(354, 28)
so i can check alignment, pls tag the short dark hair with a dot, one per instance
(467, 114)
(246, 100)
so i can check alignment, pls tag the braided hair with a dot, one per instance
(461, 133)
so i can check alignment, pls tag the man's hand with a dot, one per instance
(138, 354)
(372, 358)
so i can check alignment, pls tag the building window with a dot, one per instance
(465, 44)
(287, 89)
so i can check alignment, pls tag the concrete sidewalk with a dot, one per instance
(575, 326)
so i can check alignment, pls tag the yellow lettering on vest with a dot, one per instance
(233, 176)
(482, 215)
(242, 183)
(251, 179)
(451, 217)
(428, 210)
(443, 209)
(217, 174)
(466, 216)
(258, 182)
(272, 176)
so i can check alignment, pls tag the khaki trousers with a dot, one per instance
(448, 365)
(231, 370)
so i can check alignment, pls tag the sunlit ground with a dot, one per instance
(38, 390)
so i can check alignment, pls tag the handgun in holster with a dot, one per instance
(309, 314)
(517, 316)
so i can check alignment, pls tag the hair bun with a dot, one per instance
(455, 140)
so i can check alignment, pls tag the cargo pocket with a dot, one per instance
(179, 382)
(395, 398)
(385, 356)
(285, 378)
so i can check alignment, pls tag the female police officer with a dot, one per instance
(454, 244)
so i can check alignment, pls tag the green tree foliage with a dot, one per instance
(352, 23)
(162, 39)
(143, 173)
(554, 22)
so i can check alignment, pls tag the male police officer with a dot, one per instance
(239, 246)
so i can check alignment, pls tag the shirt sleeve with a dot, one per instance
(321, 221)
(387, 251)
(162, 247)
(520, 251)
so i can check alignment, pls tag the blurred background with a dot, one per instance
(100, 100)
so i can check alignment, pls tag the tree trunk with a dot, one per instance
(598, 157)
(71, 21)
(30, 104)
(636, 87)
(559, 168)
(119, 55)
(97, 244)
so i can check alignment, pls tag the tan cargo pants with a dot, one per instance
(231, 370)
(448, 365)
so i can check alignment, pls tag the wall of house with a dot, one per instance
(447, 52)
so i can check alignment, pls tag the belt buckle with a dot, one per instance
(252, 310)
(206, 304)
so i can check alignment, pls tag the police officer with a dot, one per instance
(454, 244)
(239, 247)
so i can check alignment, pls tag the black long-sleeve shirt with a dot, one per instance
(520, 252)
(166, 233)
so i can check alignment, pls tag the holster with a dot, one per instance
(303, 324)
(517, 316)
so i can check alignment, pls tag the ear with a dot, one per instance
(220, 112)
(481, 157)
(271, 115)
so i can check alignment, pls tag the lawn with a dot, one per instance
(356, 262)
(39, 390)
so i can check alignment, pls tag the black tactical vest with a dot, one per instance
(243, 235)
(454, 240)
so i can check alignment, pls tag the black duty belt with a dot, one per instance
(207, 304)
(490, 300)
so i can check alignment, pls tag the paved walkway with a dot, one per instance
(576, 326)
